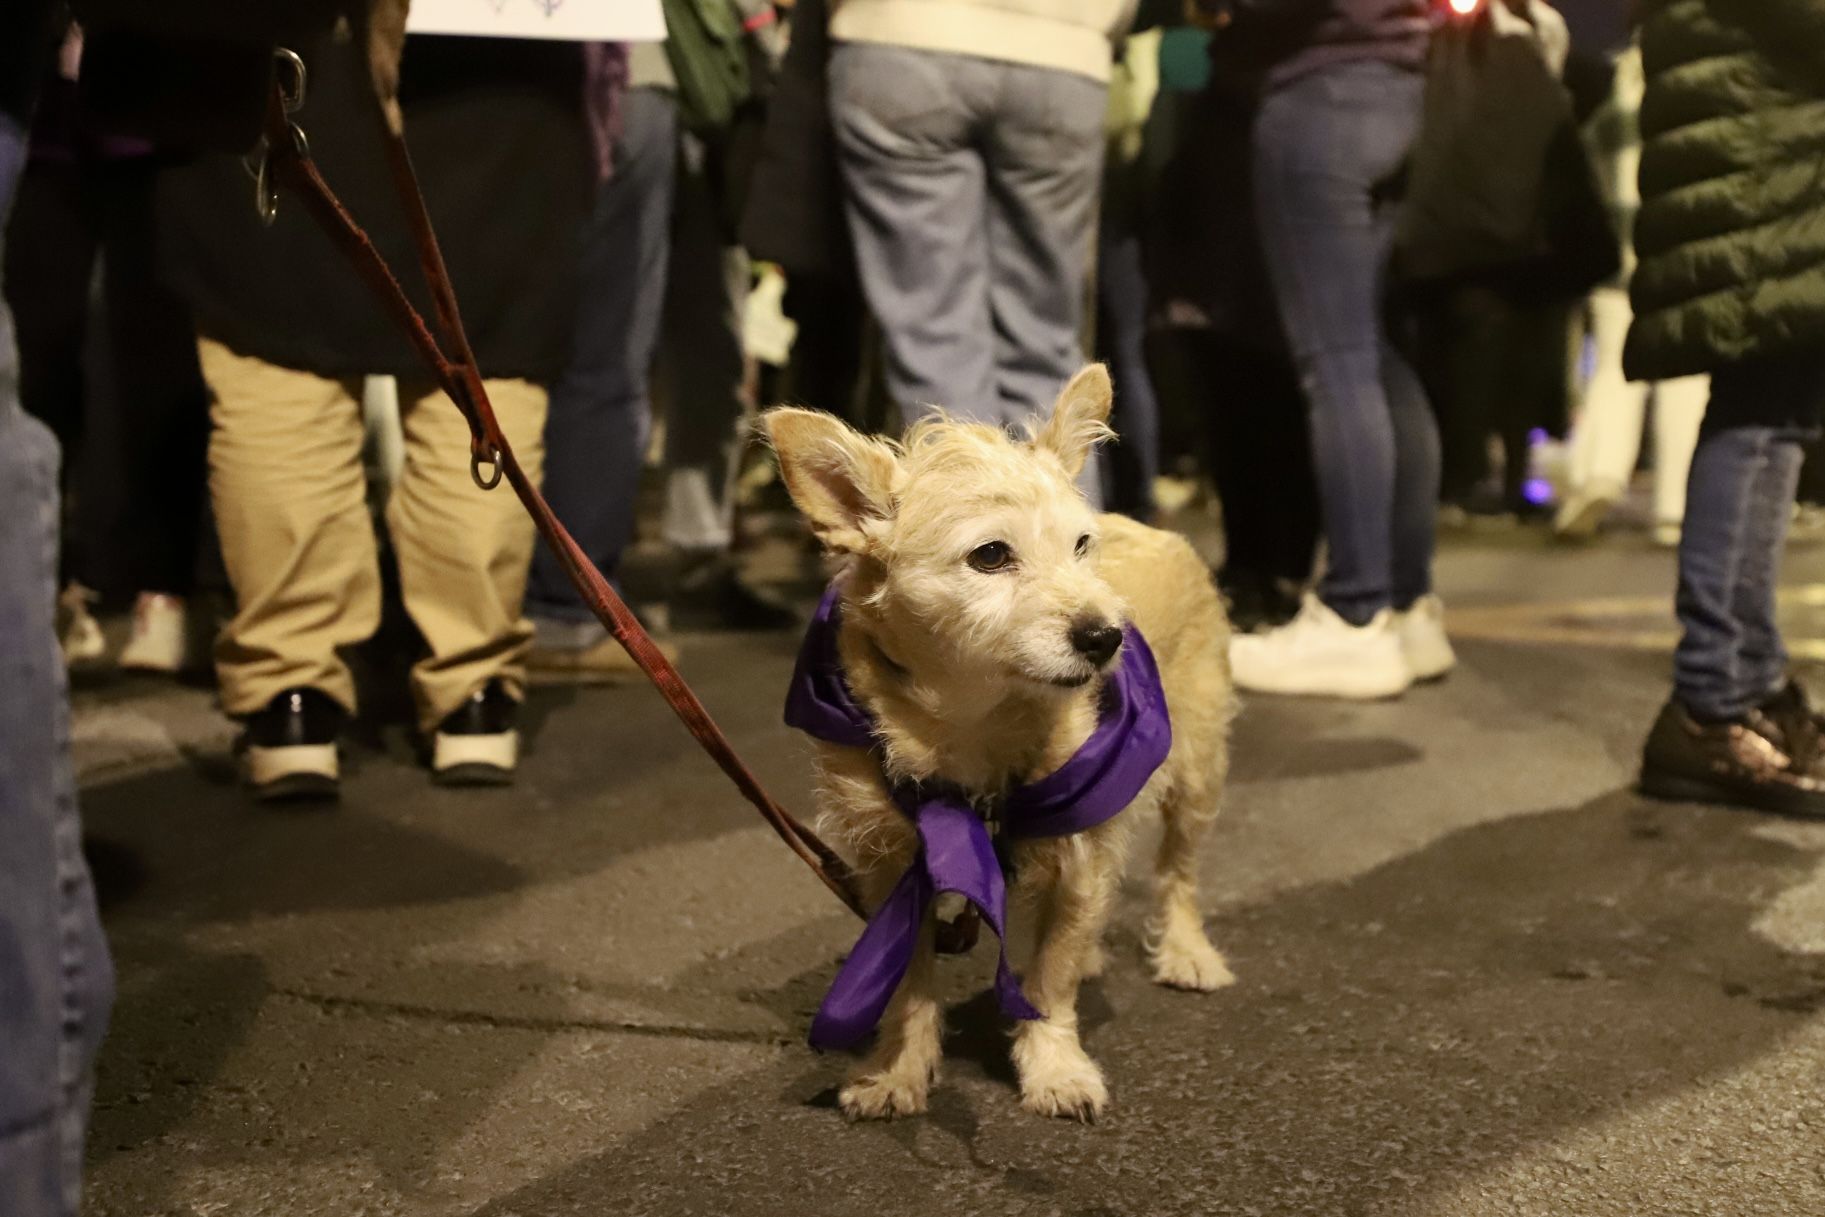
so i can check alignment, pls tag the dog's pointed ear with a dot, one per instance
(841, 479)
(1080, 419)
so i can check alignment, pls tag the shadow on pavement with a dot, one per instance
(1390, 1036)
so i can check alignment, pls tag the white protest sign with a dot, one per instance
(575, 20)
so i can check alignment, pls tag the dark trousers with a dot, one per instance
(653, 251)
(120, 387)
(1738, 500)
(1494, 364)
(1133, 460)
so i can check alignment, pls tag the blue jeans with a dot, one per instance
(1326, 146)
(56, 979)
(652, 251)
(1738, 500)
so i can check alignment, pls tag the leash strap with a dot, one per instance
(286, 159)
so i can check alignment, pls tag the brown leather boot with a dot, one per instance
(1746, 763)
(1802, 737)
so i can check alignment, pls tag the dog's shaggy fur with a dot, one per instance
(972, 677)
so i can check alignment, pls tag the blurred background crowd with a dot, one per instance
(1341, 304)
(1360, 269)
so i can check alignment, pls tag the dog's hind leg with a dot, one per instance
(1177, 947)
(1071, 884)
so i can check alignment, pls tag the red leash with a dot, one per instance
(287, 159)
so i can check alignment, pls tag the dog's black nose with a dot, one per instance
(1095, 639)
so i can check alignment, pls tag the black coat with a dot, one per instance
(497, 136)
(1731, 232)
(793, 213)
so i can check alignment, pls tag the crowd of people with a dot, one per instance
(1348, 260)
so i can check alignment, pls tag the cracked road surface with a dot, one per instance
(1478, 975)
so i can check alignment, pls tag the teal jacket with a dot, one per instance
(1731, 232)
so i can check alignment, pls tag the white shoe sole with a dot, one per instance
(151, 659)
(475, 760)
(1430, 663)
(297, 771)
(1580, 517)
(1357, 685)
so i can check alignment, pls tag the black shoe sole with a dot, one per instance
(1677, 789)
(472, 775)
(299, 788)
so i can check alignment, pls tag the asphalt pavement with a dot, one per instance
(1478, 975)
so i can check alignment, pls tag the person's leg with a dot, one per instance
(1792, 397)
(1606, 439)
(1416, 473)
(1737, 729)
(1463, 333)
(1323, 147)
(56, 977)
(463, 551)
(1121, 290)
(290, 501)
(158, 392)
(1739, 496)
(1044, 150)
(916, 198)
(826, 369)
(708, 406)
(50, 268)
(595, 435)
(1679, 411)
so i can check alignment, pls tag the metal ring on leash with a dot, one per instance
(484, 454)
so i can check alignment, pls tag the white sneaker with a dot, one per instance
(77, 628)
(1422, 639)
(1584, 509)
(1319, 654)
(160, 639)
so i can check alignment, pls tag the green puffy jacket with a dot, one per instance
(1731, 232)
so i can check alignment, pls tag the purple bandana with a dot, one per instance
(1131, 740)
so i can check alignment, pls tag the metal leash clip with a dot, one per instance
(291, 77)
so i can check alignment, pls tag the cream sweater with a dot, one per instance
(1070, 35)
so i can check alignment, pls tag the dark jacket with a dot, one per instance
(497, 136)
(1731, 232)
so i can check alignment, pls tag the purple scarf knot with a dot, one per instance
(1131, 740)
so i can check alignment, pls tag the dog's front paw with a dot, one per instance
(1188, 961)
(1070, 1088)
(884, 1096)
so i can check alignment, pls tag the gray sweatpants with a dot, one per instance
(972, 193)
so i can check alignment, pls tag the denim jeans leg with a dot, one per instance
(916, 194)
(1323, 147)
(601, 411)
(56, 978)
(1739, 495)
(1416, 478)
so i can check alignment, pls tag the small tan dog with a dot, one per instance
(973, 566)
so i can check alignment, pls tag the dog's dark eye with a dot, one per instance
(1083, 545)
(991, 556)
